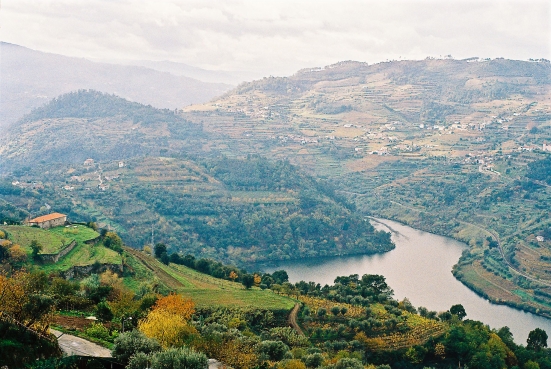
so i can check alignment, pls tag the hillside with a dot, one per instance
(444, 145)
(90, 124)
(454, 147)
(31, 78)
(330, 120)
(239, 211)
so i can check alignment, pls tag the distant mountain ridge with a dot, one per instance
(205, 75)
(31, 78)
(88, 123)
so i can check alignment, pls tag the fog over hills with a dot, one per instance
(205, 75)
(31, 78)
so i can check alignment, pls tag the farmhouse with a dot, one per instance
(49, 221)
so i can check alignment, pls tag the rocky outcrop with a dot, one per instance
(80, 271)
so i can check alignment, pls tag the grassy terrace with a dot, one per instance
(206, 291)
(77, 232)
(83, 255)
(52, 240)
(23, 235)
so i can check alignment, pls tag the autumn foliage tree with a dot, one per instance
(168, 321)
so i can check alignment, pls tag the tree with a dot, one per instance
(459, 311)
(335, 310)
(36, 248)
(377, 283)
(176, 304)
(170, 329)
(176, 358)
(349, 363)
(274, 350)
(130, 343)
(113, 241)
(248, 281)
(321, 313)
(233, 276)
(313, 360)
(280, 276)
(257, 280)
(537, 339)
(103, 312)
(167, 322)
(291, 364)
(159, 249)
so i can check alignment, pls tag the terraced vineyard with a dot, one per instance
(207, 291)
(412, 330)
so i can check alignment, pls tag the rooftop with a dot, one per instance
(45, 218)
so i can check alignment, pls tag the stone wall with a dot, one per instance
(54, 258)
(81, 271)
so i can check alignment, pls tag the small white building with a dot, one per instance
(546, 147)
(540, 238)
(121, 164)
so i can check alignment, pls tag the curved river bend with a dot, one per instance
(419, 268)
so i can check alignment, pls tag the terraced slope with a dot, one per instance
(207, 291)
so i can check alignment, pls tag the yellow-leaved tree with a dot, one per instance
(167, 322)
(257, 280)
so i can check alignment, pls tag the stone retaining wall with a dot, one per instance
(54, 258)
(80, 271)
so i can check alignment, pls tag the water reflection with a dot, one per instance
(418, 268)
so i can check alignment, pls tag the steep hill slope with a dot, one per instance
(31, 78)
(443, 145)
(152, 170)
(325, 117)
(90, 124)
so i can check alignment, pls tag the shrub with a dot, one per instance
(131, 343)
(274, 350)
(98, 330)
(175, 358)
(349, 363)
(313, 360)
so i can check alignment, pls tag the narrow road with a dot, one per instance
(293, 319)
(73, 345)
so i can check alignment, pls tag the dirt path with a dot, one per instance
(166, 278)
(72, 345)
(293, 319)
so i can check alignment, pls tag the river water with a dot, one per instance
(419, 268)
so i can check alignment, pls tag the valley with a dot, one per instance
(289, 170)
(441, 145)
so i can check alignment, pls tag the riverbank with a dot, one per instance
(420, 268)
(477, 268)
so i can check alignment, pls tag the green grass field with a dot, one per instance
(76, 232)
(84, 254)
(52, 240)
(23, 236)
(204, 290)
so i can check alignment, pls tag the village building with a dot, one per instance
(88, 162)
(48, 221)
(546, 147)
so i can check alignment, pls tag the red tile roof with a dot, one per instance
(45, 218)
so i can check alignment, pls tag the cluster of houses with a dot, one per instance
(32, 185)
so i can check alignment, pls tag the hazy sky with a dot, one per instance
(278, 37)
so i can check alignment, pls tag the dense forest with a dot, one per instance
(234, 210)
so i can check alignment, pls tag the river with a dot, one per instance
(419, 268)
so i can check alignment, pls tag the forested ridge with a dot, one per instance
(235, 210)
